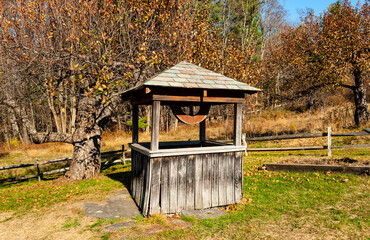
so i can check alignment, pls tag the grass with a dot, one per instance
(276, 205)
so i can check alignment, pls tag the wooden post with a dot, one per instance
(202, 131)
(245, 143)
(38, 170)
(123, 155)
(156, 114)
(329, 141)
(237, 124)
(135, 123)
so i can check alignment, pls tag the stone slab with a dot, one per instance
(118, 206)
(204, 213)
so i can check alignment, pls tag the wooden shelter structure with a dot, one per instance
(168, 177)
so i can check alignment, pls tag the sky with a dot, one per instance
(293, 7)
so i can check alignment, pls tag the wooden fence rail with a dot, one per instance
(328, 134)
(40, 174)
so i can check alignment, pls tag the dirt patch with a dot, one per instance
(341, 162)
(62, 221)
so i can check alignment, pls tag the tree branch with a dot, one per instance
(51, 137)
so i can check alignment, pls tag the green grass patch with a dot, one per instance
(24, 196)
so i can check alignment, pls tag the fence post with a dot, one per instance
(245, 143)
(123, 155)
(329, 141)
(38, 170)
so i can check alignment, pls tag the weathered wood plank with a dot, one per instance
(215, 178)
(140, 180)
(133, 173)
(173, 162)
(147, 186)
(190, 165)
(238, 124)
(165, 204)
(198, 182)
(307, 135)
(207, 195)
(238, 180)
(230, 178)
(181, 184)
(156, 111)
(222, 179)
(285, 149)
(155, 186)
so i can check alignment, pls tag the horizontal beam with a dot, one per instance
(307, 135)
(185, 151)
(170, 98)
(305, 148)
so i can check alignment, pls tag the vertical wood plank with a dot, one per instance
(222, 180)
(135, 188)
(207, 168)
(135, 123)
(156, 111)
(155, 186)
(140, 180)
(165, 206)
(148, 179)
(215, 178)
(173, 183)
(190, 165)
(237, 124)
(238, 180)
(181, 184)
(133, 163)
(202, 131)
(230, 178)
(198, 182)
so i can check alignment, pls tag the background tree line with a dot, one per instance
(63, 63)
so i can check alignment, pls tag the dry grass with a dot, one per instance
(268, 122)
(50, 224)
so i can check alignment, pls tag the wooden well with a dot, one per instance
(170, 177)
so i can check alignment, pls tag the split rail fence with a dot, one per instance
(40, 174)
(328, 134)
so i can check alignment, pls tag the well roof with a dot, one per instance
(187, 75)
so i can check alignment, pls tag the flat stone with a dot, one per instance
(180, 223)
(118, 226)
(204, 213)
(118, 206)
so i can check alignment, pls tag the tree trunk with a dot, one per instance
(359, 92)
(86, 159)
(86, 141)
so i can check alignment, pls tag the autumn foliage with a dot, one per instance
(329, 51)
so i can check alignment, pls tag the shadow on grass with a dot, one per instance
(123, 177)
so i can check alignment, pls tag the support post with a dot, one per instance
(237, 124)
(202, 131)
(329, 141)
(123, 155)
(156, 114)
(38, 169)
(135, 123)
(244, 135)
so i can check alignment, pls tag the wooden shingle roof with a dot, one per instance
(190, 83)
(187, 75)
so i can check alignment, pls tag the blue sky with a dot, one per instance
(294, 6)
